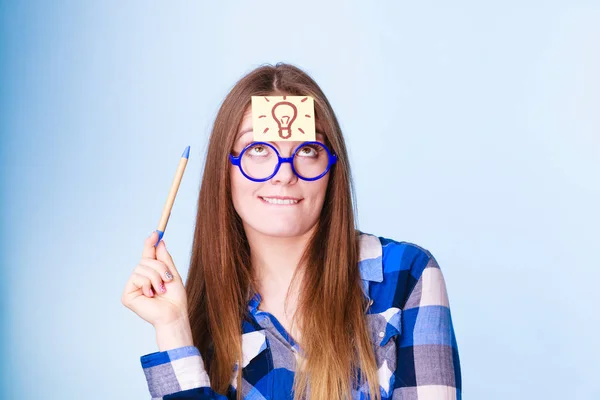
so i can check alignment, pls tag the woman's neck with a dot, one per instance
(274, 262)
(275, 259)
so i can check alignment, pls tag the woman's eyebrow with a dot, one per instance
(243, 132)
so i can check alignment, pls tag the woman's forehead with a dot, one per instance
(246, 125)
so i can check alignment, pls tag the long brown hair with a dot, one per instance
(335, 338)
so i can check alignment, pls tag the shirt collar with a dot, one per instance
(370, 261)
(254, 303)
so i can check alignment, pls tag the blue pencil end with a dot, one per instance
(186, 152)
(160, 235)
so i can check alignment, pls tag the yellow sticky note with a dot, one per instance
(283, 118)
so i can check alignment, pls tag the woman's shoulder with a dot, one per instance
(395, 265)
(394, 254)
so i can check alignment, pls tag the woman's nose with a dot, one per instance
(285, 174)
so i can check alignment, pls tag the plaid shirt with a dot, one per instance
(409, 320)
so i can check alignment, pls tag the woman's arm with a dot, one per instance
(428, 356)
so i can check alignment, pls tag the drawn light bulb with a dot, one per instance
(284, 114)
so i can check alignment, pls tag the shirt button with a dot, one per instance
(381, 334)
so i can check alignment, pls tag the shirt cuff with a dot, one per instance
(174, 370)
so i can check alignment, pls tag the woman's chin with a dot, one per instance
(282, 232)
(280, 229)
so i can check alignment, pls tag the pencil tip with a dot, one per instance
(186, 152)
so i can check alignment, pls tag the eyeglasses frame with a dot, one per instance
(236, 160)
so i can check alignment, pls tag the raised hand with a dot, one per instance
(155, 290)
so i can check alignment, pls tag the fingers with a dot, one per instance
(149, 249)
(163, 255)
(153, 276)
(142, 282)
(150, 275)
(160, 267)
(146, 279)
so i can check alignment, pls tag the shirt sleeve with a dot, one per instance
(178, 374)
(428, 350)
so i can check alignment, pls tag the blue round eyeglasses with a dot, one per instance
(260, 161)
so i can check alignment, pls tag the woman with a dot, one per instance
(281, 282)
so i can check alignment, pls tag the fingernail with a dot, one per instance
(162, 287)
(168, 275)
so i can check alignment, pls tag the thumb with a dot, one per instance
(149, 249)
(163, 255)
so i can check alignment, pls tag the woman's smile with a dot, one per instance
(280, 200)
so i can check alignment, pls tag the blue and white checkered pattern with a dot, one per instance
(409, 321)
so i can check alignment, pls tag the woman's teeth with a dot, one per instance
(279, 201)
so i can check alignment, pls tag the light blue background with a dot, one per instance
(473, 131)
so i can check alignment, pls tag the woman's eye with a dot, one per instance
(258, 151)
(308, 151)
